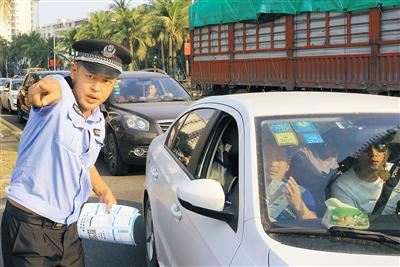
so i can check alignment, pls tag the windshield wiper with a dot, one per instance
(338, 231)
(173, 99)
(370, 235)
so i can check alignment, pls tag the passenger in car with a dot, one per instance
(286, 199)
(313, 165)
(362, 185)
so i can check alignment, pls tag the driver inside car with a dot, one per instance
(361, 186)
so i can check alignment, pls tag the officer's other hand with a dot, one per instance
(45, 92)
(109, 199)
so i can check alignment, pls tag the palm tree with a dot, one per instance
(98, 26)
(120, 4)
(4, 46)
(174, 16)
(34, 49)
(133, 31)
(68, 38)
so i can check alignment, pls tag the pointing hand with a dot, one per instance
(45, 92)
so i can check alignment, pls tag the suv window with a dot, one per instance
(191, 135)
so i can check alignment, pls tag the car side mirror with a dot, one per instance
(205, 197)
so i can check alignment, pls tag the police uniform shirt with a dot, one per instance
(56, 151)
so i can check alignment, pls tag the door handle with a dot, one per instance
(176, 212)
(154, 173)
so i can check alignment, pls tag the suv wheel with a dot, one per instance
(20, 117)
(151, 254)
(112, 156)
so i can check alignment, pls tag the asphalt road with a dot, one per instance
(128, 190)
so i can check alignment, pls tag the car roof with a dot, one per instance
(141, 74)
(49, 72)
(297, 103)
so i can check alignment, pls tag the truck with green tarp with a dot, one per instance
(325, 45)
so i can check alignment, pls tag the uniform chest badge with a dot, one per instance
(96, 132)
(77, 109)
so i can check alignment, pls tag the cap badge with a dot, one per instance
(108, 51)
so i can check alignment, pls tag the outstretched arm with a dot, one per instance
(45, 92)
(101, 189)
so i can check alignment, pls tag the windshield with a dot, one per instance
(16, 85)
(329, 171)
(131, 90)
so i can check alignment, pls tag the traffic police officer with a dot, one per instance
(55, 170)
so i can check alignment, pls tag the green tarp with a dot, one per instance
(206, 12)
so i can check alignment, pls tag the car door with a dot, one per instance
(173, 165)
(4, 95)
(201, 240)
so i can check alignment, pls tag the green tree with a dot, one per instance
(64, 46)
(98, 26)
(133, 31)
(4, 46)
(174, 16)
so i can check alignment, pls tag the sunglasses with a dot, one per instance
(380, 147)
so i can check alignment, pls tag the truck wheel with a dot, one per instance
(112, 156)
(151, 253)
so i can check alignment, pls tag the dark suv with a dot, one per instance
(142, 106)
(23, 106)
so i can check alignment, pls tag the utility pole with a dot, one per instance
(54, 52)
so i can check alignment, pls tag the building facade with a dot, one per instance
(55, 29)
(6, 7)
(16, 17)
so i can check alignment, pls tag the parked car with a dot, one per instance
(23, 105)
(8, 95)
(141, 107)
(212, 197)
(3, 82)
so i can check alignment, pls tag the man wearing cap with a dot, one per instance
(55, 170)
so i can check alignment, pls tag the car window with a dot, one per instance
(222, 163)
(315, 164)
(174, 129)
(30, 79)
(187, 143)
(16, 85)
(131, 90)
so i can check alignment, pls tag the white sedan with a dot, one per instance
(8, 96)
(244, 179)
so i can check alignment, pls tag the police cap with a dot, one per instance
(102, 57)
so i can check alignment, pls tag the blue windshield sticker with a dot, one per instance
(280, 127)
(303, 126)
(313, 138)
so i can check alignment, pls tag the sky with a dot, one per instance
(51, 10)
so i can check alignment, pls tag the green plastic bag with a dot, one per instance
(342, 215)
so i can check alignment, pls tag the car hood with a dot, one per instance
(155, 110)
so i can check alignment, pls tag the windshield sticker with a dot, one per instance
(313, 138)
(280, 127)
(285, 139)
(303, 126)
(339, 125)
